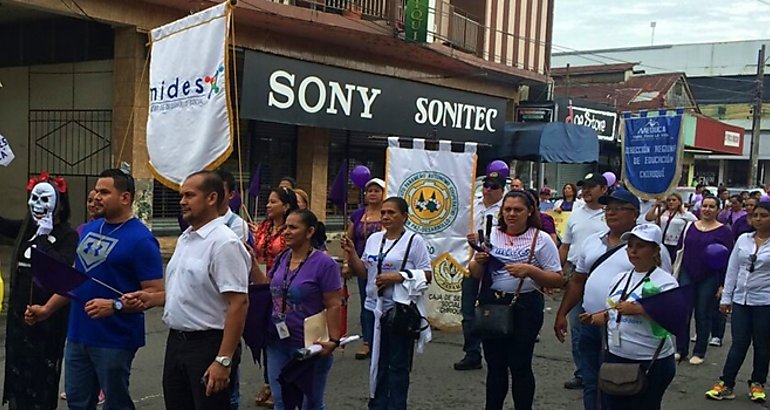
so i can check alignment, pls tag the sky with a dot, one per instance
(600, 24)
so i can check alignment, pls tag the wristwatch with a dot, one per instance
(117, 305)
(225, 361)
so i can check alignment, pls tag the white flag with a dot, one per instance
(189, 124)
(6, 154)
(438, 186)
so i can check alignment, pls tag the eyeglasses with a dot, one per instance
(619, 209)
(491, 185)
(752, 259)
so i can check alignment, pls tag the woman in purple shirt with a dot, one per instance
(730, 215)
(696, 271)
(303, 282)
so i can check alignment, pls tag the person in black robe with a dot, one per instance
(34, 354)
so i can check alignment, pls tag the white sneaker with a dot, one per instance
(677, 357)
(63, 395)
(696, 360)
(715, 341)
(694, 339)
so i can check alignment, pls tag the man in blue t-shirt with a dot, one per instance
(122, 256)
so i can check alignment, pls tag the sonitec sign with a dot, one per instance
(279, 89)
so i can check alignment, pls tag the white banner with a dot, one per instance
(438, 186)
(6, 154)
(189, 125)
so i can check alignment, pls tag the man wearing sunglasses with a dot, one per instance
(489, 204)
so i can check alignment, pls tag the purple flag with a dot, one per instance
(670, 309)
(256, 181)
(235, 203)
(258, 319)
(54, 276)
(338, 193)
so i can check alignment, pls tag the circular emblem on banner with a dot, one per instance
(448, 273)
(432, 199)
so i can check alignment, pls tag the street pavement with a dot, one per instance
(435, 385)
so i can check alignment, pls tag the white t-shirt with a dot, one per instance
(598, 284)
(206, 263)
(237, 225)
(583, 222)
(637, 342)
(644, 206)
(515, 249)
(393, 251)
(675, 228)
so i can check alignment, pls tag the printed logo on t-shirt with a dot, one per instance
(94, 249)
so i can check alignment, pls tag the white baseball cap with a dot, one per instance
(380, 183)
(645, 232)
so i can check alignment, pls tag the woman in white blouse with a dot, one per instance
(746, 296)
(672, 218)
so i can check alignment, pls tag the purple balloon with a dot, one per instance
(360, 175)
(610, 177)
(500, 167)
(764, 198)
(717, 256)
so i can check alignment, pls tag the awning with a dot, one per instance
(704, 133)
(549, 142)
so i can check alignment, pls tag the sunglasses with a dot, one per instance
(752, 259)
(491, 185)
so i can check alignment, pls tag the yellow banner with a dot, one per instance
(560, 220)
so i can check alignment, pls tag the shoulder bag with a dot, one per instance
(677, 266)
(496, 320)
(626, 379)
(406, 320)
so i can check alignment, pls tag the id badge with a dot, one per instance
(616, 337)
(283, 330)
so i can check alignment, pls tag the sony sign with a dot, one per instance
(280, 89)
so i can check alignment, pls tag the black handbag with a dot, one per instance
(406, 320)
(494, 317)
(626, 379)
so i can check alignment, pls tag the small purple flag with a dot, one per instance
(55, 276)
(258, 319)
(235, 203)
(338, 193)
(256, 181)
(670, 309)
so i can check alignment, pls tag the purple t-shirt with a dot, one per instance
(318, 275)
(362, 229)
(693, 262)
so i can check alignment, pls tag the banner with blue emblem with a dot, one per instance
(438, 186)
(652, 152)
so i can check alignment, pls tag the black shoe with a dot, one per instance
(574, 383)
(467, 364)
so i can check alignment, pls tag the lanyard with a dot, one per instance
(288, 281)
(626, 293)
(381, 256)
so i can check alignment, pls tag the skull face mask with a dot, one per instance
(42, 200)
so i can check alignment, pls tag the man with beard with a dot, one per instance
(602, 256)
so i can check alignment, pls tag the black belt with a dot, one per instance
(195, 334)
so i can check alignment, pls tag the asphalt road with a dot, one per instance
(435, 385)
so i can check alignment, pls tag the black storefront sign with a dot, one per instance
(535, 112)
(285, 90)
(603, 122)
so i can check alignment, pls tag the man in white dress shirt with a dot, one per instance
(205, 301)
(489, 204)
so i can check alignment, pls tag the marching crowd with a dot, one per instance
(230, 279)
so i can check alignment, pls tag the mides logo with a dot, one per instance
(179, 93)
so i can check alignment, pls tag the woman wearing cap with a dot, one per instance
(505, 275)
(632, 337)
(672, 218)
(746, 296)
(363, 223)
(705, 280)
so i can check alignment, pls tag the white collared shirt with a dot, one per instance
(206, 263)
(582, 223)
(744, 287)
(237, 225)
(480, 212)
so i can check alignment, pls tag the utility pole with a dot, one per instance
(757, 120)
(652, 37)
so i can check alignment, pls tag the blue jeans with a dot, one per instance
(235, 396)
(90, 367)
(471, 344)
(512, 357)
(659, 378)
(718, 322)
(278, 355)
(704, 299)
(750, 324)
(575, 327)
(590, 345)
(367, 316)
(393, 369)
